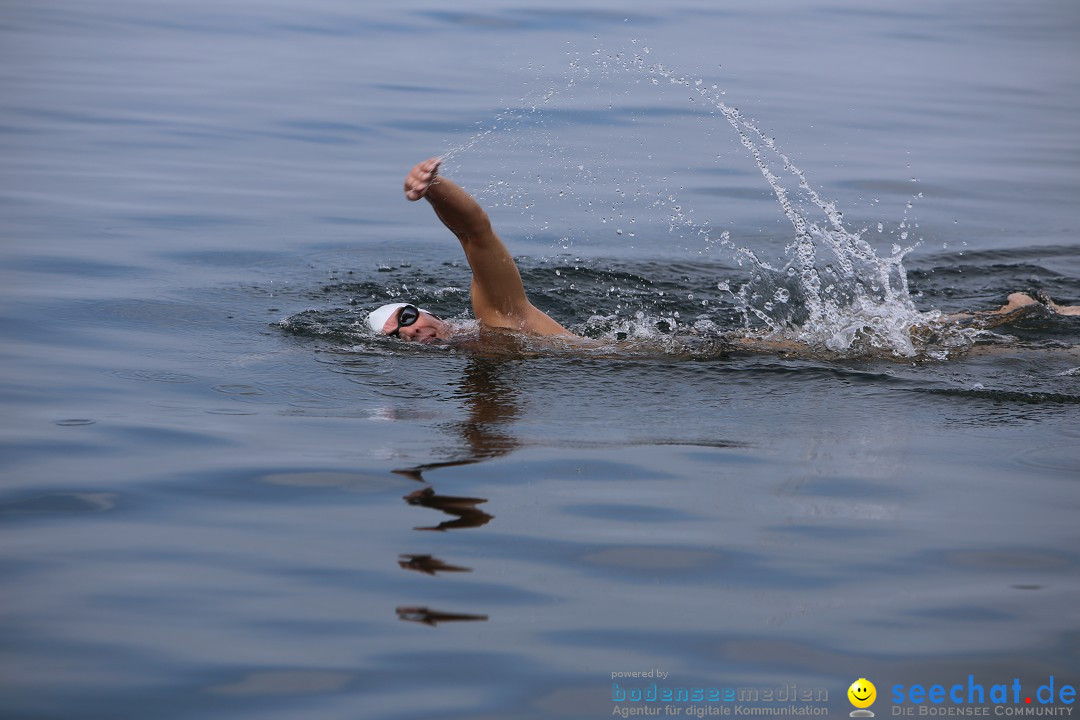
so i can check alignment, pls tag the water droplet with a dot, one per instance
(782, 295)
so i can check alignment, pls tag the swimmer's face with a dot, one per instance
(862, 693)
(426, 327)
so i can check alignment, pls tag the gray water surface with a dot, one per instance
(208, 514)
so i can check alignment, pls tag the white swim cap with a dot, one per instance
(378, 317)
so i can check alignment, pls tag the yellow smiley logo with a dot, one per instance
(862, 693)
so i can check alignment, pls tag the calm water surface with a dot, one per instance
(208, 513)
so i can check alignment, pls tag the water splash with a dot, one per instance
(834, 291)
(830, 291)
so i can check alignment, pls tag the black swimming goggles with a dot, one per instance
(406, 316)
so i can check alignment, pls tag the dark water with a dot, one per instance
(206, 513)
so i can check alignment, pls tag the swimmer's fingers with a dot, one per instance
(416, 183)
(420, 178)
(414, 192)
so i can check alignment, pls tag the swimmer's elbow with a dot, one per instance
(479, 225)
(477, 231)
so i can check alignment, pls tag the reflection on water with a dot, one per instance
(427, 616)
(428, 564)
(463, 509)
(491, 404)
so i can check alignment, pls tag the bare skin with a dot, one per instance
(498, 295)
(427, 328)
(1017, 300)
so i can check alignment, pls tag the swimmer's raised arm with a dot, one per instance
(498, 295)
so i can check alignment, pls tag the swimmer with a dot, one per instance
(498, 296)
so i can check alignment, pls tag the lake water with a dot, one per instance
(220, 499)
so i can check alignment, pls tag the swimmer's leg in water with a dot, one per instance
(1018, 301)
(1059, 309)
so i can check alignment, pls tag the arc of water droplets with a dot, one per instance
(847, 247)
(506, 118)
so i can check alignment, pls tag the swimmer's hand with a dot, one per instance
(421, 177)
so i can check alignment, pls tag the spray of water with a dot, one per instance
(831, 291)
